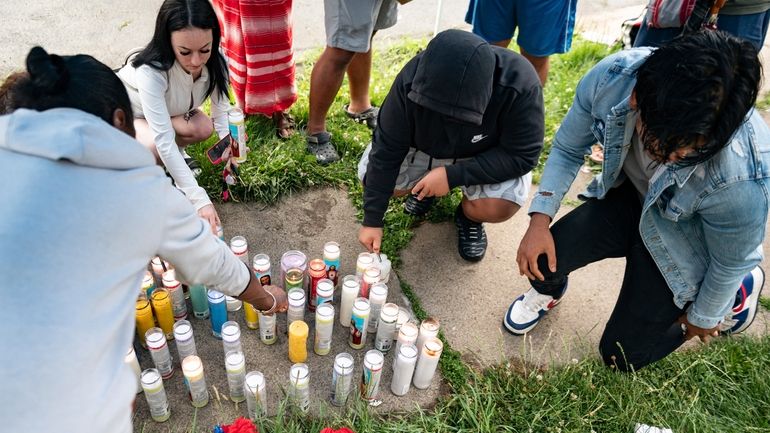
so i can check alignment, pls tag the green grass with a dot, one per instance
(765, 302)
(724, 388)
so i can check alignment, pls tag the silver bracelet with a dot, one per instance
(270, 310)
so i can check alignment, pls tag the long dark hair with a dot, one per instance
(52, 81)
(696, 87)
(178, 15)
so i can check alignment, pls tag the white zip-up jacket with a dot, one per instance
(157, 96)
(84, 209)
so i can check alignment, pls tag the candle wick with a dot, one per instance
(163, 265)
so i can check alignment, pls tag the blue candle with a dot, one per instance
(218, 311)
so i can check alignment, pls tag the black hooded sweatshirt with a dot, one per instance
(460, 98)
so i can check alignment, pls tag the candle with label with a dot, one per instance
(372, 375)
(317, 274)
(152, 384)
(298, 332)
(324, 292)
(156, 342)
(148, 283)
(185, 341)
(383, 340)
(358, 323)
(378, 295)
(324, 326)
(192, 367)
(261, 267)
(174, 287)
(332, 260)
(350, 288)
(267, 326)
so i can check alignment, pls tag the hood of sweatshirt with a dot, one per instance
(455, 76)
(68, 134)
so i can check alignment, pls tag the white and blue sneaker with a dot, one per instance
(746, 300)
(527, 310)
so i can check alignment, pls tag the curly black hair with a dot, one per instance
(696, 91)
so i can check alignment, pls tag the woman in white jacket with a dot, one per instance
(168, 81)
(84, 209)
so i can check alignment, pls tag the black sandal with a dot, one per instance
(195, 167)
(320, 145)
(284, 124)
(367, 117)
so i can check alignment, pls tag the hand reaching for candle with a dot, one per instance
(370, 238)
(281, 300)
(433, 184)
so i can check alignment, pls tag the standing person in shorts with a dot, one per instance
(545, 27)
(350, 26)
(462, 113)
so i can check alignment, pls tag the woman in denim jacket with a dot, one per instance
(683, 196)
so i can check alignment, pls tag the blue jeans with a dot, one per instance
(752, 28)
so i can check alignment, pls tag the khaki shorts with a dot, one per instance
(350, 23)
(417, 164)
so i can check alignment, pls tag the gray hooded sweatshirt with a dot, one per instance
(84, 209)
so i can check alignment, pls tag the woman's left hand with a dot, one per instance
(209, 214)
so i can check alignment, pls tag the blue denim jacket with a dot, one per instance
(703, 225)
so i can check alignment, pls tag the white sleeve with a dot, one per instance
(220, 105)
(152, 86)
(198, 256)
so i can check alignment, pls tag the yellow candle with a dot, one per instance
(298, 331)
(252, 320)
(161, 303)
(144, 319)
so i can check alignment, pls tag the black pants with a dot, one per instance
(642, 328)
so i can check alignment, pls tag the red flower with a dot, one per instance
(342, 430)
(240, 425)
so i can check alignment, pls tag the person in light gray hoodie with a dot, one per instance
(84, 210)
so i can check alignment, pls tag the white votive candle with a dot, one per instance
(403, 369)
(428, 329)
(350, 287)
(427, 363)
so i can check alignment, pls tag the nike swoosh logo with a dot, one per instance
(477, 138)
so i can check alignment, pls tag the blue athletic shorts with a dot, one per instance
(545, 26)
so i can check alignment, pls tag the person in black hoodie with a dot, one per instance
(462, 113)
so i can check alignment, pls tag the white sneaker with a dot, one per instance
(745, 306)
(526, 311)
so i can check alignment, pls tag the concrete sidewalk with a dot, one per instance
(471, 299)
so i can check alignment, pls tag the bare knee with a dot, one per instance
(490, 210)
(337, 57)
